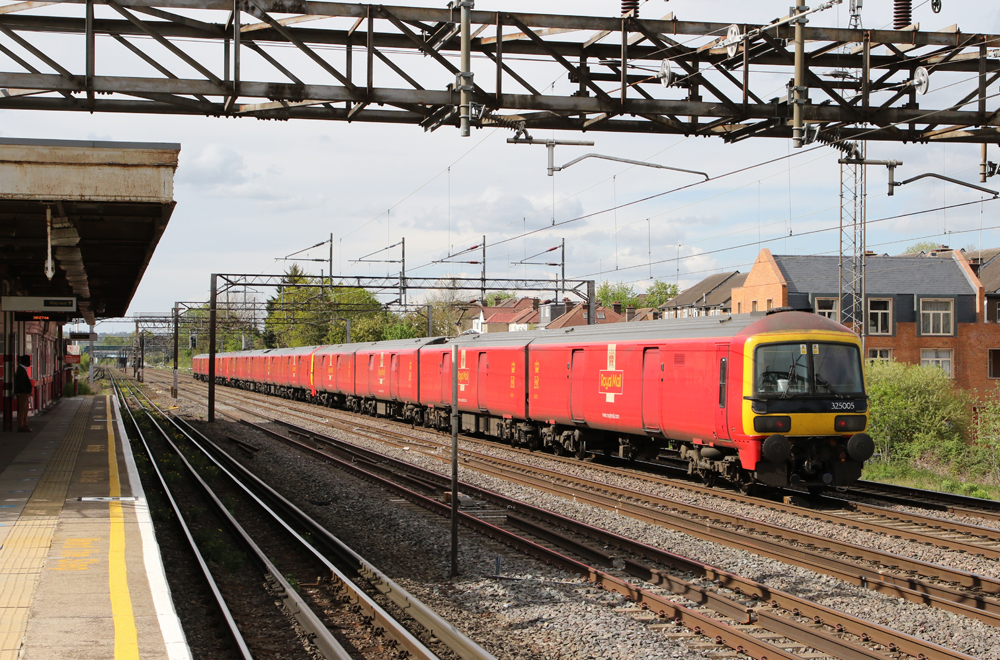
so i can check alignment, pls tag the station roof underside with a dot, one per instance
(109, 205)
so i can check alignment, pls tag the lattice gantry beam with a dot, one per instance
(270, 59)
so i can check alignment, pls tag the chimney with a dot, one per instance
(567, 306)
(534, 304)
(629, 313)
(617, 307)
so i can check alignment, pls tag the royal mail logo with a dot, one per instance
(612, 382)
(463, 375)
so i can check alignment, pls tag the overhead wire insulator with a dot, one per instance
(630, 6)
(516, 125)
(902, 14)
(850, 149)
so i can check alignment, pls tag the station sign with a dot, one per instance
(83, 336)
(71, 359)
(38, 304)
(58, 317)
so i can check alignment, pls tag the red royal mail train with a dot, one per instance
(776, 398)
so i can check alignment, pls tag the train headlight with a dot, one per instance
(849, 423)
(772, 424)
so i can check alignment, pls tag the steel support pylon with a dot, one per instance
(853, 211)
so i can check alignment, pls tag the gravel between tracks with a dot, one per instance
(953, 631)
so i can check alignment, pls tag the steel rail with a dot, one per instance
(721, 632)
(319, 634)
(461, 644)
(982, 540)
(454, 639)
(979, 535)
(917, 590)
(962, 505)
(842, 622)
(825, 642)
(220, 600)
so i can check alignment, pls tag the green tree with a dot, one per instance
(497, 297)
(308, 316)
(449, 309)
(922, 246)
(620, 292)
(659, 292)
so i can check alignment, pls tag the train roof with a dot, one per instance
(397, 344)
(701, 327)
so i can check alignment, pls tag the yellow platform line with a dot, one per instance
(26, 548)
(126, 637)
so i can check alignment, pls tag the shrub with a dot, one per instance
(917, 412)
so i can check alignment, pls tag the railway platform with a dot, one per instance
(80, 569)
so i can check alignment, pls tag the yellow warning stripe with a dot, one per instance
(126, 637)
(27, 545)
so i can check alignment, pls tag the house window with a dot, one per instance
(753, 306)
(937, 357)
(828, 307)
(935, 317)
(770, 305)
(994, 363)
(880, 354)
(997, 317)
(880, 317)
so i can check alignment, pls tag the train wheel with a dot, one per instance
(748, 488)
(708, 478)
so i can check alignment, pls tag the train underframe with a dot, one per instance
(816, 463)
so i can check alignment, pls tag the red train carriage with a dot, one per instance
(757, 398)
(491, 385)
(387, 378)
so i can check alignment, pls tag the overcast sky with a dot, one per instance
(249, 191)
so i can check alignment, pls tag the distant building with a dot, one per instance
(577, 315)
(710, 297)
(500, 317)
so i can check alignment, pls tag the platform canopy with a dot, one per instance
(100, 207)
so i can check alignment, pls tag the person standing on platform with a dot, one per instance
(22, 390)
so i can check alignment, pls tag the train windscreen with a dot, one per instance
(807, 368)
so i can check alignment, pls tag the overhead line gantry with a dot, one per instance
(356, 64)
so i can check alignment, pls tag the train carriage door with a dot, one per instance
(482, 387)
(577, 387)
(335, 380)
(722, 370)
(652, 384)
(394, 376)
(445, 396)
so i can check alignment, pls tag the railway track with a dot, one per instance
(794, 625)
(926, 530)
(622, 502)
(341, 618)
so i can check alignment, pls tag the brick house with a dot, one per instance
(926, 310)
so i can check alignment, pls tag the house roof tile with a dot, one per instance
(701, 290)
(575, 317)
(884, 275)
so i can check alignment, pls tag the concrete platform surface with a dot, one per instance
(80, 569)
